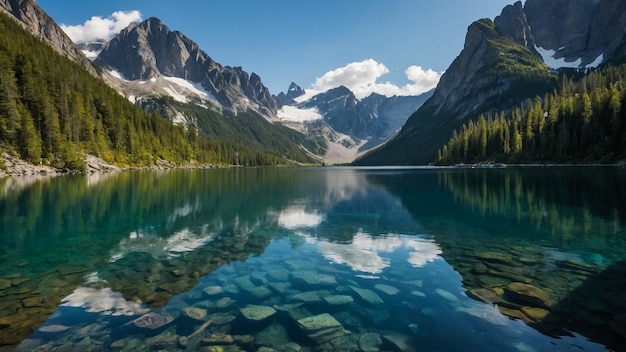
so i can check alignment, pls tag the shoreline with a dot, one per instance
(15, 167)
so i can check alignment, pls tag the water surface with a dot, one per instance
(315, 259)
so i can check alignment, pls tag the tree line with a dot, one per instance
(582, 122)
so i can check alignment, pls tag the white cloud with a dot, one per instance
(362, 79)
(101, 28)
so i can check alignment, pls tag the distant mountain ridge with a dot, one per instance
(505, 62)
(150, 49)
(357, 124)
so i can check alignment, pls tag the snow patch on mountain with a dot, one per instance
(308, 94)
(555, 64)
(91, 55)
(192, 87)
(117, 75)
(293, 113)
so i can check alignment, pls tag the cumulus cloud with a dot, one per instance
(362, 79)
(100, 27)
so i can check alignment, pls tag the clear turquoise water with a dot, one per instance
(403, 251)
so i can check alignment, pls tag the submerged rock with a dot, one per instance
(484, 295)
(218, 339)
(535, 314)
(255, 313)
(399, 342)
(386, 289)
(312, 278)
(370, 342)
(53, 328)
(213, 290)
(528, 294)
(321, 328)
(495, 257)
(367, 296)
(338, 300)
(418, 293)
(163, 342)
(309, 297)
(261, 292)
(194, 313)
(153, 320)
(274, 336)
(224, 303)
(447, 295)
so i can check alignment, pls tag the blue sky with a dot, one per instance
(388, 46)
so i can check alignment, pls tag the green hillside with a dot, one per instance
(583, 122)
(247, 129)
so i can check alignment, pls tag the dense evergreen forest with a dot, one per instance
(53, 112)
(248, 128)
(583, 122)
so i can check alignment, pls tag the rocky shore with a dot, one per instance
(13, 166)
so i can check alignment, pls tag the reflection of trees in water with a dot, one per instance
(491, 226)
(59, 230)
(569, 204)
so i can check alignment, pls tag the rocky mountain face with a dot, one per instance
(375, 118)
(37, 21)
(288, 98)
(347, 121)
(504, 62)
(148, 50)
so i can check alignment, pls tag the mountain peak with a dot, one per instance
(150, 49)
(294, 91)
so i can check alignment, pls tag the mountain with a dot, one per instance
(148, 51)
(288, 98)
(56, 113)
(164, 71)
(37, 21)
(348, 123)
(504, 62)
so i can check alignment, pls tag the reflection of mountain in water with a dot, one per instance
(531, 241)
(589, 204)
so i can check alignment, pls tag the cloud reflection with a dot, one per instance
(370, 254)
(105, 301)
(295, 217)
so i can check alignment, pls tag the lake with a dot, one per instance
(314, 259)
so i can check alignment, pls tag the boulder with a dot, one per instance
(494, 257)
(321, 328)
(367, 296)
(370, 342)
(535, 314)
(399, 342)
(309, 297)
(255, 313)
(213, 290)
(218, 339)
(528, 295)
(338, 300)
(195, 313)
(312, 278)
(153, 320)
(386, 289)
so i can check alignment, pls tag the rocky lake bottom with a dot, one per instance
(336, 267)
